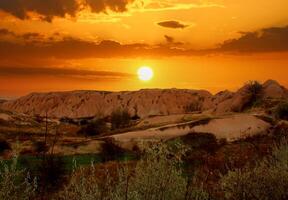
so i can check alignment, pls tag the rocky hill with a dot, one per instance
(143, 103)
(78, 104)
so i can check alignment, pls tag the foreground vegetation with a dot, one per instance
(194, 167)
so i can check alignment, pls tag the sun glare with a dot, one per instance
(145, 73)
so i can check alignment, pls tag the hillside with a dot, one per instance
(142, 103)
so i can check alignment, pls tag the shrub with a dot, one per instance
(254, 90)
(83, 187)
(281, 111)
(4, 145)
(50, 173)
(15, 184)
(193, 107)
(110, 150)
(96, 127)
(201, 141)
(157, 175)
(120, 119)
(268, 180)
(40, 147)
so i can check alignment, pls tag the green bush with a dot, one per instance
(267, 181)
(15, 184)
(281, 111)
(157, 175)
(120, 119)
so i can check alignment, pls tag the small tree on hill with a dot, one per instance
(120, 119)
(254, 90)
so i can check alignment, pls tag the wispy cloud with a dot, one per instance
(164, 5)
(9, 71)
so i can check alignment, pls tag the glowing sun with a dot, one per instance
(145, 73)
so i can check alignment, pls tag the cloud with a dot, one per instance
(98, 6)
(49, 9)
(169, 39)
(9, 71)
(33, 45)
(172, 24)
(266, 40)
(166, 5)
(4, 32)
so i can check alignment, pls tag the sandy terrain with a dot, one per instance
(5, 117)
(229, 127)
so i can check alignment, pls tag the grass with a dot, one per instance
(28, 161)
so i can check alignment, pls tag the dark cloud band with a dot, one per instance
(266, 40)
(49, 9)
(9, 71)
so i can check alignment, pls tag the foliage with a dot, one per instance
(254, 90)
(120, 119)
(193, 107)
(201, 141)
(268, 180)
(110, 150)
(4, 145)
(93, 128)
(157, 175)
(281, 111)
(15, 184)
(50, 173)
(40, 147)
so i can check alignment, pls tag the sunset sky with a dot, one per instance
(55, 45)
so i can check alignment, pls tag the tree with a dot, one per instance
(120, 119)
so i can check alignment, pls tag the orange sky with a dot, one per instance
(95, 44)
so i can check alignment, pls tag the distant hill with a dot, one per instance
(143, 103)
(2, 100)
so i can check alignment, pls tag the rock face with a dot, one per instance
(143, 103)
(78, 104)
(235, 102)
(2, 101)
(272, 89)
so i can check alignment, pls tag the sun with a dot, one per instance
(145, 73)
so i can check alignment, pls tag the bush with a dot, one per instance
(96, 127)
(201, 141)
(15, 184)
(4, 145)
(40, 147)
(282, 111)
(120, 119)
(193, 107)
(110, 150)
(268, 180)
(157, 175)
(51, 174)
(254, 90)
